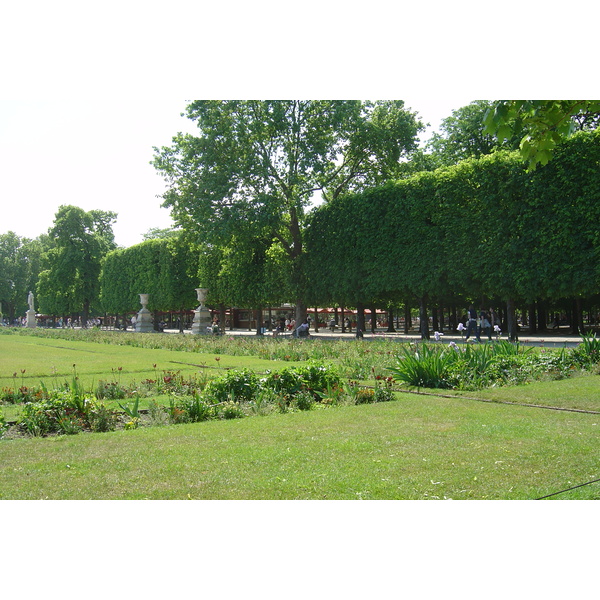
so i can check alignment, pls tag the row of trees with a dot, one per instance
(459, 222)
(483, 231)
(165, 268)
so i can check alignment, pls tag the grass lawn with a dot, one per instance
(52, 361)
(417, 447)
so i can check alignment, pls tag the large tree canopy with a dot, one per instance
(256, 166)
(78, 241)
(19, 270)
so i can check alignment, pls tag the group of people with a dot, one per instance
(480, 322)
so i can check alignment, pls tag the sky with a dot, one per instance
(87, 91)
(96, 153)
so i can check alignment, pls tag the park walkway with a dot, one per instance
(551, 339)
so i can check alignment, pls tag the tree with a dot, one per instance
(256, 166)
(462, 136)
(19, 269)
(543, 123)
(78, 241)
(159, 233)
(164, 268)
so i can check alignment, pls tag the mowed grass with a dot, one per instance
(417, 447)
(581, 392)
(55, 360)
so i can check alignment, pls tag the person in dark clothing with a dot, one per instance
(472, 323)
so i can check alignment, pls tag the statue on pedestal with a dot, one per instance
(31, 322)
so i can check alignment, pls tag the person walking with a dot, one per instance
(485, 326)
(472, 323)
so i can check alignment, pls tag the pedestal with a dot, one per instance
(202, 320)
(143, 323)
(31, 322)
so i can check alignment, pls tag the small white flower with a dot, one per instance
(437, 335)
(497, 329)
(460, 327)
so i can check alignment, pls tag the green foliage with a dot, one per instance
(3, 425)
(231, 410)
(252, 171)
(190, 410)
(164, 268)
(588, 351)
(241, 385)
(545, 124)
(20, 264)
(78, 241)
(462, 136)
(132, 410)
(482, 228)
(304, 400)
(62, 413)
(101, 418)
(422, 366)
(110, 390)
(479, 366)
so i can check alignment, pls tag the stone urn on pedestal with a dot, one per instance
(143, 322)
(202, 320)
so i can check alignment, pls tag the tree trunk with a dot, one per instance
(222, 318)
(85, 315)
(390, 327)
(577, 320)
(360, 319)
(259, 323)
(542, 316)
(511, 321)
(424, 318)
(343, 320)
(532, 318)
(406, 318)
(436, 321)
(316, 320)
(300, 314)
(373, 319)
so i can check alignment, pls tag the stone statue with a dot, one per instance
(31, 322)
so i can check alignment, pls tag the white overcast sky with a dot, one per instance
(88, 90)
(95, 153)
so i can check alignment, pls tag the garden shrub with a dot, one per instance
(420, 366)
(231, 410)
(304, 400)
(102, 419)
(587, 353)
(242, 385)
(110, 390)
(3, 425)
(364, 395)
(196, 410)
(62, 412)
(318, 377)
